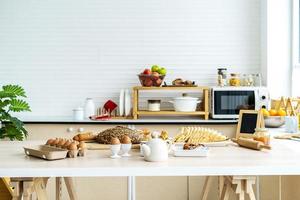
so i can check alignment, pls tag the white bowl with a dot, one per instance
(274, 121)
(185, 104)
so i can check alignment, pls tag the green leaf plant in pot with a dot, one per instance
(11, 100)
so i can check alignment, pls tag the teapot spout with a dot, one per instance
(146, 150)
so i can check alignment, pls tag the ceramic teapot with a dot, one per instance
(156, 149)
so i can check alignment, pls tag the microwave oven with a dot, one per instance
(226, 102)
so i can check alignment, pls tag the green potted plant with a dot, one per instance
(11, 100)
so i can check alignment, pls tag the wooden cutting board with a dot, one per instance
(97, 146)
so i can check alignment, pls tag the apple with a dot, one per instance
(155, 75)
(147, 71)
(155, 68)
(158, 82)
(162, 71)
(148, 82)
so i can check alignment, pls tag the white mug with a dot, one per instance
(291, 124)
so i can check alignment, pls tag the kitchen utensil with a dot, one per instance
(185, 103)
(151, 80)
(115, 149)
(274, 121)
(201, 151)
(127, 102)
(291, 124)
(156, 149)
(121, 102)
(153, 105)
(46, 152)
(125, 148)
(251, 144)
(78, 114)
(89, 108)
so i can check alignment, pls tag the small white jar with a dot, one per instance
(78, 114)
(153, 105)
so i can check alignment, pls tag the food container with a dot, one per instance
(185, 103)
(274, 121)
(46, 152)
(222, 76)
(235, 80)
(78, 114)
(261, 134)
(153, 105)
(151, 80)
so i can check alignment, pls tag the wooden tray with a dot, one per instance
(46, 152)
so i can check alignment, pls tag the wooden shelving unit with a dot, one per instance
(204, 113)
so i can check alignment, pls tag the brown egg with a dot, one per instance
(61, 143)
(126, 139)
(72, 146)
(82, 145)
(50, 141)
(55, 142)
(67, 143)
(115, 140)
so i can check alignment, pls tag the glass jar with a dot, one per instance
(257, 80)
(235, 80)
(248, 80)
(222, 76)
(153, 105)
(262, 135)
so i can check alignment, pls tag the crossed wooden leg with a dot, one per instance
(241, 185)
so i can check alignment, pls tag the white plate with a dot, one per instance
(127, 103)
(121, 102)
(198, 152)
(211, 144)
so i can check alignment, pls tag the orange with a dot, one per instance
(273, 112)
(281, 113)
(265, 112)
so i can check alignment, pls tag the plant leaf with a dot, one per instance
(14, 90)
(4, 94)
(13, 132)
(18, 105)
(4, 103)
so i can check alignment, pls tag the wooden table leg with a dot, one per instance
(39, 185)
(221, 182)
(18, 190)
(206, 188)
(58, 181)
(71, 188)
(226, 190)
(28, 189)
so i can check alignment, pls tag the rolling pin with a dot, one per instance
(250, 143)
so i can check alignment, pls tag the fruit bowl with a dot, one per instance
(274, 121)
(148, 80)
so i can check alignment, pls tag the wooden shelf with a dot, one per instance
(200, 89)
(168, 112)
(170, 88)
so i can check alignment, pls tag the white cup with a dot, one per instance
(291, 124)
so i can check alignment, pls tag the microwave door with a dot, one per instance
(227, 104)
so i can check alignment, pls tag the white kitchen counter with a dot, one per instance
(144, 120)
(283, 159)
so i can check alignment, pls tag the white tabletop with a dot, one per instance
(283, 159)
